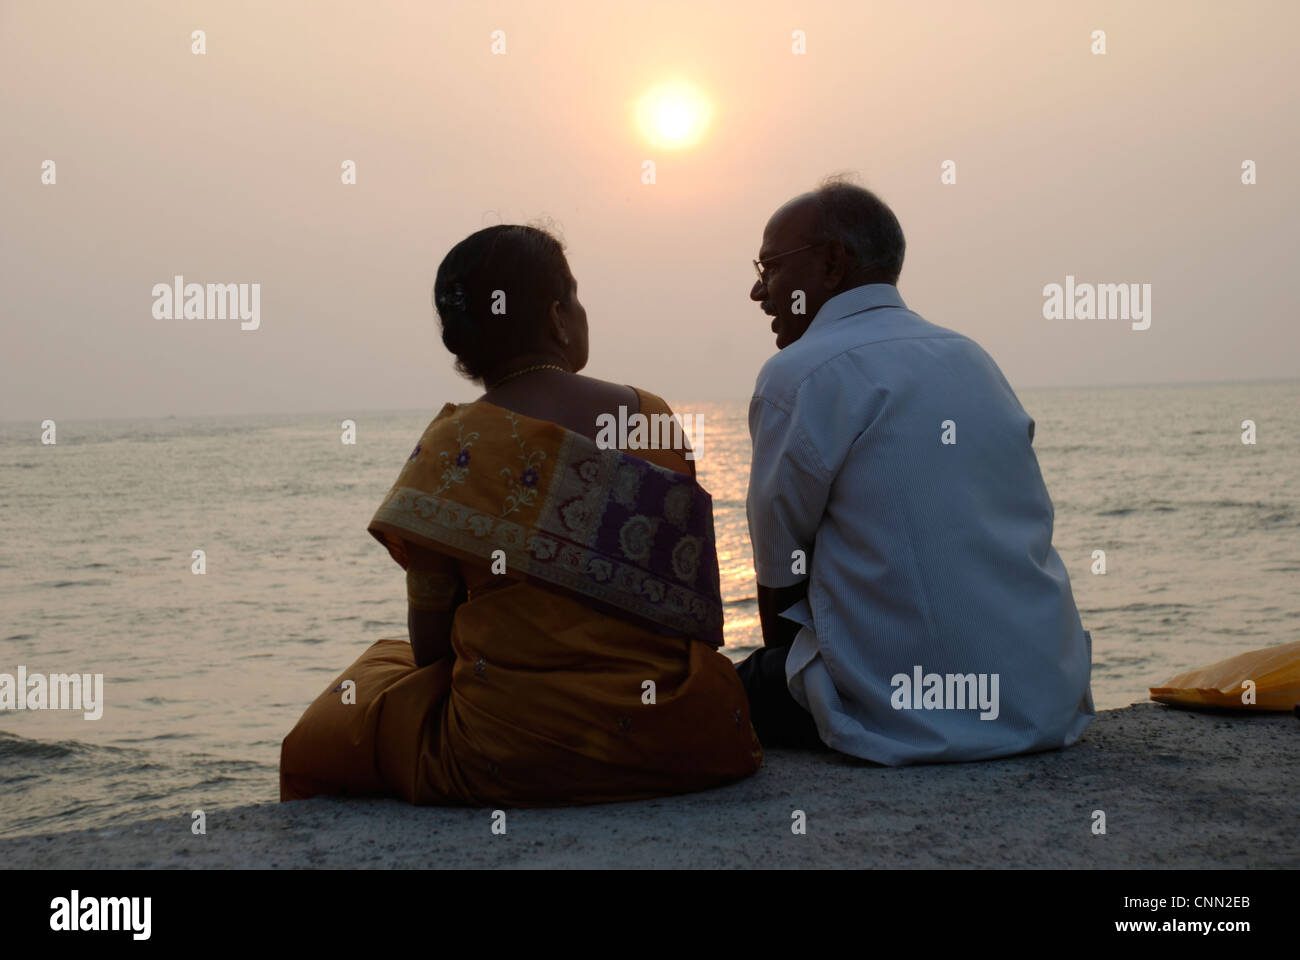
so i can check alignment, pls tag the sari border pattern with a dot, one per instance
(609, 526)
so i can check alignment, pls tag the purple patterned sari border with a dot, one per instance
(538, 556)
(623, 532)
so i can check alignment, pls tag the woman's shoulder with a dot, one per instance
(673, 457)
(443, 417)
(447, 423)
(651, 403)
(606, 394)
(638, 400)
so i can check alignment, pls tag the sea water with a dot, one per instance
(204, 675)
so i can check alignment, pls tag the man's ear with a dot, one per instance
(837, 264)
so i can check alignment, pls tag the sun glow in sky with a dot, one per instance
(673, 115)
(739, 118)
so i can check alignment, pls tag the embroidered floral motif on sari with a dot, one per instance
(524, 490)
(454, 470)
(601, 524)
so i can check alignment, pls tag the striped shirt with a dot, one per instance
(893, 469)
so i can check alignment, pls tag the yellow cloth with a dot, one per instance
(1274, 671)
(542, 699)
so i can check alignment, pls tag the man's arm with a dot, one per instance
(778, 631)
(788, 490)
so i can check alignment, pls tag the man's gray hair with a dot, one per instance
(864, 224)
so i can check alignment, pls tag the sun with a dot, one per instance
(673, 115)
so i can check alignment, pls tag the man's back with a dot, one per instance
(939, 623)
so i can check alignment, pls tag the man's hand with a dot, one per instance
(778, 631)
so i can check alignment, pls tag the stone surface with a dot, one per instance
(1179, 789)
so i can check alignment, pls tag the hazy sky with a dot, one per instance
(1117, 168)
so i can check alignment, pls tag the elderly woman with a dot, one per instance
(564, 610)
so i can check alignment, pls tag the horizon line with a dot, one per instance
(737, 399)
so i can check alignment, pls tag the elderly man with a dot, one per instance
(912, 605)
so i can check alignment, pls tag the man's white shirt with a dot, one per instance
(895, 457)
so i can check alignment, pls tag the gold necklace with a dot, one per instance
(518, 373)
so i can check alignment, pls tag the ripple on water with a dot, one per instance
(12, 745)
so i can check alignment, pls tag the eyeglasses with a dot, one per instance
(759, 265)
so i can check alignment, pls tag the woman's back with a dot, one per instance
(574, 672)
(563, 596)
(568, 399)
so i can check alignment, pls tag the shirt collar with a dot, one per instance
(855, 301)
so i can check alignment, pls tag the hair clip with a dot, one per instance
(453, 300)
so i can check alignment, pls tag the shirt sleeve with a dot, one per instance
(788, 490)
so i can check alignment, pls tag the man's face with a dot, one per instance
(791, 227)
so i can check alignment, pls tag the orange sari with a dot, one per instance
(582, 667)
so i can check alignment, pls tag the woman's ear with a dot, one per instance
(555, 322)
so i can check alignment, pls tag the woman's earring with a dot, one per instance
(565, 341)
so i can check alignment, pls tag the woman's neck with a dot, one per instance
(524, 367)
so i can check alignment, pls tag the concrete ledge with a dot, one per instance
(1179, 789)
